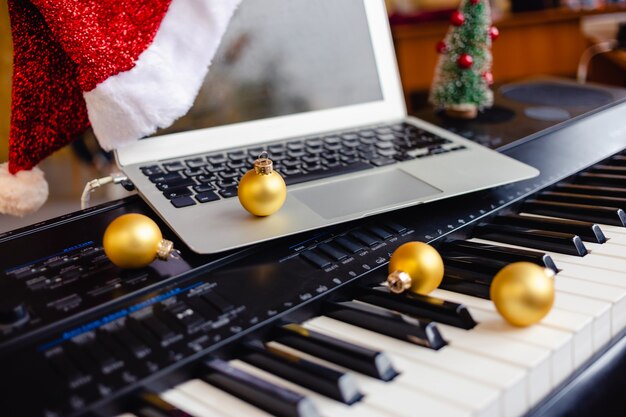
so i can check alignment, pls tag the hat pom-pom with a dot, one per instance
(22, 193)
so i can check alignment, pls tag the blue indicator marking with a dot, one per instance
(64, 251)
(116, 315)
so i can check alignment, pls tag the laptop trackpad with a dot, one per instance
(364, 194)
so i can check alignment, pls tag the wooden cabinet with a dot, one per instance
(533, 43)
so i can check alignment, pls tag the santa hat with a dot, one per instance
(125, 67)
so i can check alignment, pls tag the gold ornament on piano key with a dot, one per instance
(133, 241)
(523, 293)
(415, 266)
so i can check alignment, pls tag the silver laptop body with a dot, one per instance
(303, 72)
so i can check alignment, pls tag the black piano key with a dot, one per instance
(471, 267)
(566, 243)
(396, 325)
(587, 231)
(618, 160)
(418, 305)
(591, 189)
(326, 381)
(501, 253)
(604, 215)
(590, 200)
(366, 361)
(475, 289)
(605, 180)
(275, 400)
(608, 169)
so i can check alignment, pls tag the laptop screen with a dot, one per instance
(286, 57)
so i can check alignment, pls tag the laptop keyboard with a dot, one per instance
(189, 181)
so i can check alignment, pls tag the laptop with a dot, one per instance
(314, 84)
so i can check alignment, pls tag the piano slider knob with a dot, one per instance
(415, 266)
(523, 293)
(133, 241)
(262, 191)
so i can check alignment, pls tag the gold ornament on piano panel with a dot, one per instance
(133, 241)
(523, 293)
(262, 191)
(415, 266)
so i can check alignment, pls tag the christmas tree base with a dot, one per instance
(465, 112)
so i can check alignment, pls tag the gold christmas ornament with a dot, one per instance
(523, 293)
(416, 266)
(262, 191)
(133, 241)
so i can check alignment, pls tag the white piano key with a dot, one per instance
(599, 310)
(593, 290)
(217, 399)
(190, 405)
(559, 342)
(511, 379)
(601, 276)
(326, 406)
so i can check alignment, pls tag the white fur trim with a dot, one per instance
(166, 78)
(22, 193)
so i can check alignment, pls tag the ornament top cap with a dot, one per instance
(263, 165)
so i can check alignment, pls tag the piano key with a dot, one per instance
(614, 234)
(586, 230)
(326, 406)
(599, 310)
(399, 326)
(510, 379)
(369, 362)
(590, 189)
(604, 215)
(567, 243)
(418, 305)
(609, 180)
(151, 405)
(463, 286)
(375, 403)
(608, 169)
(269, 397)
(591, 200)
(471, 267)
(196, 396)
(340, 386)
(500, 253)
(557, 340)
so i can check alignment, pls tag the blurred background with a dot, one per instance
(537, 37)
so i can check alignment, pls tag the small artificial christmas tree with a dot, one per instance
(463, 73)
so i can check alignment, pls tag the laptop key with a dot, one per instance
(152, 170)
(229, 174)
(207, 196)
(228, 192)
(203, 188)
(338, 170)
(176, 192)
(174, 166)
(227, 184)
(216, 159)
(379, 162)
(183, 201)
(159, 178)
(177, 183)
(205, 179)
(193, 172)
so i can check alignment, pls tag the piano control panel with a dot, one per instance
(99, 338)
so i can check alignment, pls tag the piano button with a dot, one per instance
(363, 237)
(326, 381)
(74, 376)
(369, 362)
(334, 252)
(102, 356)
(510, 379)
(185, 316)
(203, 400)
(256, 391)
(557, 340)
(136, 346)
(587, 231)
(500, 253)
(160, 330)
(217, 301)
(203, 308)
(316, 259)
(400, 399)
(399, 326)
(349, 244)
(379, 232)
(604, 215)
(590, 189)
(566, 243)
(608, 180)
(417, 305)
(395, 227)
(326, 406)
(591, 200)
